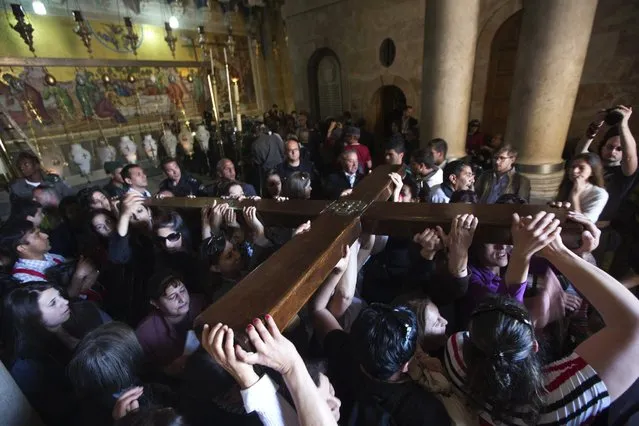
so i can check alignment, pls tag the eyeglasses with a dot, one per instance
(172, 237)
(508, 310)
(502, 158)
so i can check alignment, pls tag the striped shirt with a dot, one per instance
(26, 270)
(575, 394)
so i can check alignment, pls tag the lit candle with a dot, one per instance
(236, 92)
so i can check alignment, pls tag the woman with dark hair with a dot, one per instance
(272, 184)
(166, 333)
(106, 364)
(176, 251)
(583, 186)
(131, 251)
(41, 332)
(94, 198)
(297, 186)
(495, 362)
(491, 268)
(464, 197)
(171, 232)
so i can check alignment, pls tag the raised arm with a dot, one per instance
(628, 144)
(614, 350)
(258, 393)
(130, 204)
(275, 351)
(528, 239)
(458, 241)
(323, 320)
(345, 289)
(584, 144)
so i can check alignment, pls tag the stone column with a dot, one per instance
(550, 58)
(450, 39)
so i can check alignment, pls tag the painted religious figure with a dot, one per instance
(28, 97)
(93, 101)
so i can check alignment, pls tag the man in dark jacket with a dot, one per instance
(180, 184)
(342, 182)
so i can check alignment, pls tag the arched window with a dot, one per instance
(325, 82)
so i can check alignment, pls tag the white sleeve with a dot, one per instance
(271, 407)
(594, 203)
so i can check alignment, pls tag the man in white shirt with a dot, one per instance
(136, 180)
(458, 176)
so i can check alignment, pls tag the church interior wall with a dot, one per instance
(354, 30)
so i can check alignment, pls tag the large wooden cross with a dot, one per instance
(287, 280)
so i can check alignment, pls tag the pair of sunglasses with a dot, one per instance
(172, 237)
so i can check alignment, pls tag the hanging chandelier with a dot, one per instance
(82, 30)
(130, 38)
(22, 27)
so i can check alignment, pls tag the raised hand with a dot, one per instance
(272, 349)
(127, 402)
(230, 218)
(625, 111)
(589, 237)
(462, 231)
(578, 186)
(531, 234)
(207, 213)
(218, 342)
(218, 216)
(430, 241)
(341, 266)
(397, 183)
(250, 216)
(130, 203)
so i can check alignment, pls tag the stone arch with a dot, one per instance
(371, 93)
(499, 14)
(316, 50)
(373, 86)
(322, 100)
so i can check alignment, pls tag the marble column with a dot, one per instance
(550, 59)
(450, 39)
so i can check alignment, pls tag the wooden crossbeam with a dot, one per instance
(407, 219)
(291, 213)
(286, 281)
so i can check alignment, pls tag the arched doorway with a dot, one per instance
(503, 58)
(386, 107)
(325, 84)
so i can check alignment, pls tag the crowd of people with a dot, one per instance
(100, 291)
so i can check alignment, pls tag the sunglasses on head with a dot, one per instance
(172, 237)
(397, 315)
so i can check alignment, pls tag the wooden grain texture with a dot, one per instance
(284, 283)
(289, 213)
(406, 219)
(287, 280)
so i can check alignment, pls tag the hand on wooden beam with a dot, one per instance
(531, 234)
(219, 342)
